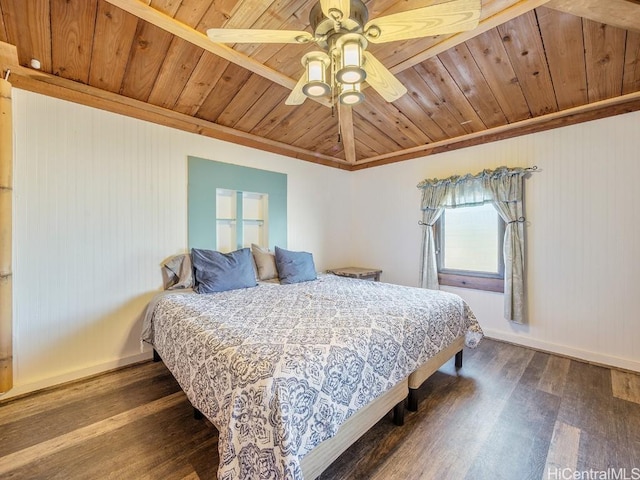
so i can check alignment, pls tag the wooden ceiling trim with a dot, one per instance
(72, 29)
(203, 79)
(604, 59)
(623, 14)
(491, 57)
(269, 100)
(436, 95)
(465, 72)
(564, 47)
(631, 80)
(147, 54)
(179, 63)
(189, 34)
(58, 87)
(109, 59)
(232, 80)
(502, 16)
(584, 113)
(521, 38)
(345, 118)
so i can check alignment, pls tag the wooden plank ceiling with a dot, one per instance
(529, 66)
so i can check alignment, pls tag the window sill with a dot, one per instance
(467, 281)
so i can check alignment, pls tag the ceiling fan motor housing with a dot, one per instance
(324, 28)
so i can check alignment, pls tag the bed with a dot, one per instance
(292, 375)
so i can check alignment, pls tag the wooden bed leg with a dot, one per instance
(156, 357)
(412, 401)
(398, 414)
(459, 359)
(197, 414)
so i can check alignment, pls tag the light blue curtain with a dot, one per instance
(503, 188)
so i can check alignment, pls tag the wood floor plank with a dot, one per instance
(555, 375)
(626, 385)
(563, 451)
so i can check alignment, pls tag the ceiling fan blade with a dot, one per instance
(297, 96)
(336, 9)
(450, 17)
(246, 35)
(381, 79)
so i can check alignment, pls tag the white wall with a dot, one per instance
(583, 246)
(100, 201)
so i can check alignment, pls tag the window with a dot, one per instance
(469, 248)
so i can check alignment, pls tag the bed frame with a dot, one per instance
(319, 459)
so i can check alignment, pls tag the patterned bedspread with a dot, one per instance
(278, 368)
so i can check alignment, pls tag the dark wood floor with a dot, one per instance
(509, 413)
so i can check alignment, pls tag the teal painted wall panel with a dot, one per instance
(205, 176)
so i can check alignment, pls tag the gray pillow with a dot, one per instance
(177, 272)
(265, 262)
(218, 272)
(294, 267)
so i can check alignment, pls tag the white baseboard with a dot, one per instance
(75, 375)
(584, 355)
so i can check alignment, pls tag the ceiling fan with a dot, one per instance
(343, 30)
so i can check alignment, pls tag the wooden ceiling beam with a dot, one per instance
(486, 24)
(347, 132)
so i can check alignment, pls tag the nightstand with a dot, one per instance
(357, 272)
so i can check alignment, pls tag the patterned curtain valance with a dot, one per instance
(469, 190)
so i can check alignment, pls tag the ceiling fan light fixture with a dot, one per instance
(350, 94)
(315, 64)
(350, 47)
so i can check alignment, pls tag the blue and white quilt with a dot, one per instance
(278, 368)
